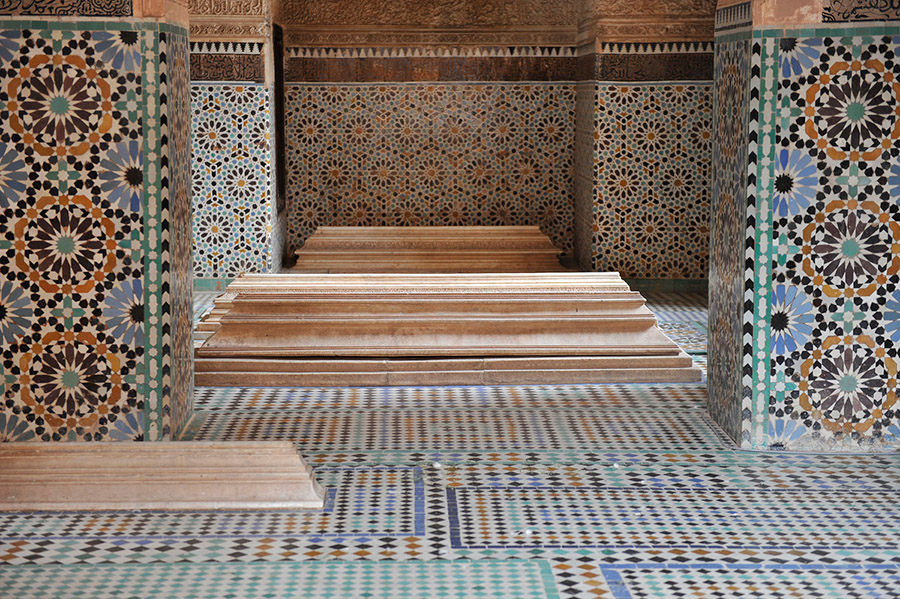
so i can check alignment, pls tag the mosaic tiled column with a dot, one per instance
(236, 228)
(805, 273)
(95, 301)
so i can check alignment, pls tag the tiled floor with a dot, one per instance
(582, 491)
(203, 303)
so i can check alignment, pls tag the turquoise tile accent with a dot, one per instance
(334, 580)
(206, 284)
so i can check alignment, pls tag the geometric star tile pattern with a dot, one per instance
(651, 160)
(820, 246)
(430, 154)
(92, 163)
(71, 200)
(234, 218)
(836, 220)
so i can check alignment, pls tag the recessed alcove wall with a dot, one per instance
(644, 168)
(494, 153)
(388, 137)
(400, 139)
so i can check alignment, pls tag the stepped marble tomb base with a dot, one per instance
(421, 329)
(427, 250)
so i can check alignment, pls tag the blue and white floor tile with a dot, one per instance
(678, 306)
(203, 303)
(581, 491)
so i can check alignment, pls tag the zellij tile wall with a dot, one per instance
(95, 308)
(819, 234)
(405, 154)
(727, 231)
(234, 211)
(645, 162)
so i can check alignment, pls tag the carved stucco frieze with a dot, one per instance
(228, 7)
(846, 11)
(455, 22)
(305, 38)
(430, 13)
(227, 67)
(643, 8)
(245, 20)
(646, 20)
(663, 30)
(214, 31)
(67, 8)
(429, 22)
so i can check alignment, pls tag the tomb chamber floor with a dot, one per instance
(584, 491)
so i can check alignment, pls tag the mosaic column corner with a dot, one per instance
(86, 303)
(803, 297)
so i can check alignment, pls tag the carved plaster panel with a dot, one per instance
(434, 14)
(643, 20)
(392, 37)
(228, 7)
(652, 67)
(227, 67)
(429, 22)
(244, 20)
(430, 69)
(392, 23)
(843, 11)
(664, 29)
(66, 8)
(227, 30)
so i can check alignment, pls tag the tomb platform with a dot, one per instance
(473, 249)
(374, 329)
